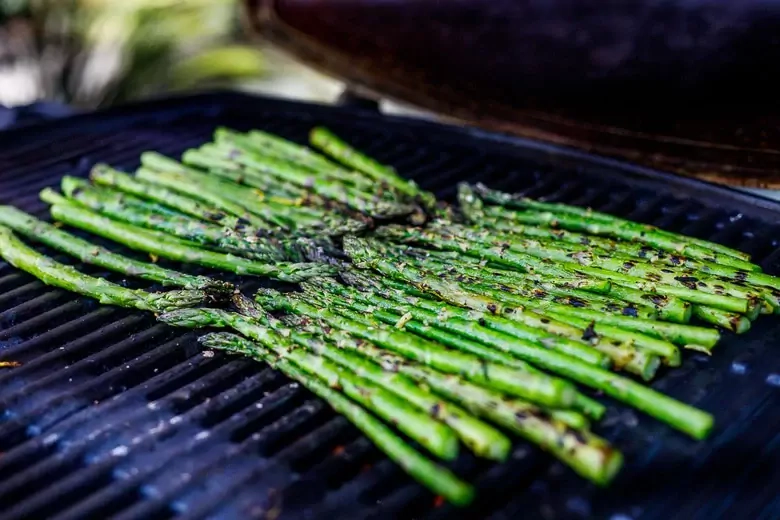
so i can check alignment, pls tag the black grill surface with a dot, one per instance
(114, 416)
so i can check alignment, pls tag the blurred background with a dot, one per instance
(95, 53)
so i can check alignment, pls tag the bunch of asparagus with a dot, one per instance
(427, 326)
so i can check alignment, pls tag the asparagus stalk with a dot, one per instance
(391, 315)
(605, 324)
(472, 325)
(333, 173)
(130, 210)
(502, 228)
(438, 438)
(481, 438)
(357, 200)
(580, 219)
(692, 421)
(541, 290)
(175, 249)
(334, 146)
(587, 454)
(668, 308)
(532, 264)
(727, 320)
(275, 146)
(277, 210)
(593, 257)
(210, 194)
(463, 297)
(346, 342)
(53, 273)
(533, 387)
(436, 478)
(531, 423)
(104, 175)
(88, 253)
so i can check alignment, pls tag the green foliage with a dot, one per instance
(97, 52)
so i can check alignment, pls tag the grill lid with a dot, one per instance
(681, 86)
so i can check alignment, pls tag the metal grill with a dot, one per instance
(113, 415)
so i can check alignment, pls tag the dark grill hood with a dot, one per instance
(681, 85)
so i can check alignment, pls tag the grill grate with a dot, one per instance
(112, 415)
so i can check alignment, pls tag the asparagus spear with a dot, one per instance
(277, 210)
(436, 478)
(210, 194)
(601, 259)
(534, 387)
(502, 225)
(520, 417)
(390, 315)
(435, 436)
(727, 320)
(472, 325)
(532, 263)
(668, 309)
(274, 146)
(690, 420)
(579, 219)
(104, 175)
(346, 342)
(50, 272)
(457, 295)
(587, 454)
(331, 144)
(606, 324)
(89, 253)
(172, 248)
(540, 290)
(478, 436)
(369, 204)
(333, 173)
(130, 210)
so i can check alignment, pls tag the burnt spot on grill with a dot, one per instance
(676, 260)
(653, 277)
(436, 410)
(664, 270)
(741, 276)
(687, 281)
(628, 264)
(585, 241)
(577, 302)
(481, 321)
(78, 190)
(629, 310)
(508, 310)
(504, 288)
(545, 320)
(590, 333)
(521, 416)
(492, 308)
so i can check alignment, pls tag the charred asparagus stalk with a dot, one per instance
(88, 253)
(166, 246)
(53, 273)
(530, 386)
(570, 217)
(436, 478)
